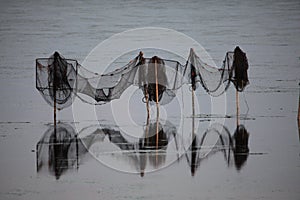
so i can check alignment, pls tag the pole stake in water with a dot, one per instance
(237, 108)
(299, 113)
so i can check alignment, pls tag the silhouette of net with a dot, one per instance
(56, 78)
(59, 79)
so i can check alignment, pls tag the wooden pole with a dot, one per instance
(147, 105)
(156, 87)
(145, 82)
(54, 111)
(193, 103)
(237, 108)
(77, 152)
(299, 107)
(157, 105)
(157, 111)
(299, 113)
(54, 92)
(54, 116)
(147, 131)
(193, 151)
(37, 157)
(193, 81)
(157, 141)
(193, 113)
(148, 115)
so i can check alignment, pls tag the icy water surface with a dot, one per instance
(266, 167)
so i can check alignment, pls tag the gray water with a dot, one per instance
(268, 31)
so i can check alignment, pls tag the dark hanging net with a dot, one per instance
(62, 149)
(241, 149)
(58, 150)
(234, 148)
(59, 79)
(240, 66)
(56, 79)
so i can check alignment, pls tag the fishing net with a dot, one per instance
(241, 149)
(215, 139)
(150, 147)
(56, 79)
(215, 81)
(59, 80)
(58, 150)
(63, 149)
(234, 148)
(240, 67)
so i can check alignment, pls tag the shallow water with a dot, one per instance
(267, 31)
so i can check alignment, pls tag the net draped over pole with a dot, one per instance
(61, 79)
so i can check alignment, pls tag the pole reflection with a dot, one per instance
(62, 150)
(234, 148)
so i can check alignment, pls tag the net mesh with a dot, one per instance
(56, 79)
(58, 150)
(234, 148)
(59, 79)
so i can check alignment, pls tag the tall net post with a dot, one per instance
(157, 140)
(157, 105)
(148, 111)
(193, 112)
(77, 152)
(54, 111)
(299, 107)
(193, 151)
(193, 82)
(54, 91)
(156, 88)
(299, 113)
(147, 104)
(237, 108)
(147, 130)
